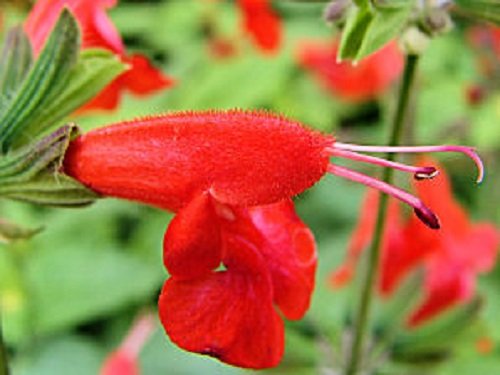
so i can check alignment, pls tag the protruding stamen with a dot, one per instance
(419, 173)
(423, 213)
(469, 151)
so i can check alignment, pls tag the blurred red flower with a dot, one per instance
(229, 266)
(261, 23)
(486, 40)
(97, 32)
(451, 257)
(125, 359)
(356, 83)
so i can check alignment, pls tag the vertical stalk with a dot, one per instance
(369, 280)
(4, 367)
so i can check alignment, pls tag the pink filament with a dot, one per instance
(470, 152)
(422, 211)
(418, 172)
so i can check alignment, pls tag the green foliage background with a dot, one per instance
(69, 294)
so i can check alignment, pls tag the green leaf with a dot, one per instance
(81, 281)
(94, 70)
(358, 23)
(15, 61)
(385, 26)
(65, 355)
(367, 30)
(32, 173)
(434, 340)
(392, 312)
(487, 10)
(50, 69)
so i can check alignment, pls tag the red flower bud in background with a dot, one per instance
(451, 257)
(261, 23)
(229, 176)
(486, 40)
(124, 360)
(97, 32)
(361, 82)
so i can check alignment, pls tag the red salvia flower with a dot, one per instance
(229, 176)
(261, 23)
(451, 257)
(361, 82)
(97, 32)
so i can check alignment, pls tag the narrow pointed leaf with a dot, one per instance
(15, 61)
(358, 23)
(50, 69)
(386, 25)
(367, 30)
(93, 71)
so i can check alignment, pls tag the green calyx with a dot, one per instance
(33, 173)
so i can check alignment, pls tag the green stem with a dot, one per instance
(370, 277)
(4, 366)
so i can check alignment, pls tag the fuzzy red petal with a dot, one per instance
(262, 23)
(229, 314)
(357, 83)
(290, 254)
(192, 245)
(242, 158)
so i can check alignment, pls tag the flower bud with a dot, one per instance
(437, 21)
(336, 10)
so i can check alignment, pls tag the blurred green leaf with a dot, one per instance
(78, 282)
(485, 120)
(391, 312)
(15, 61)
(160, 356)
(66, 355)
(487, 10)
(432, 341)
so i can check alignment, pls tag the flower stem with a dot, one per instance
(369, 280)
(4, 367)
